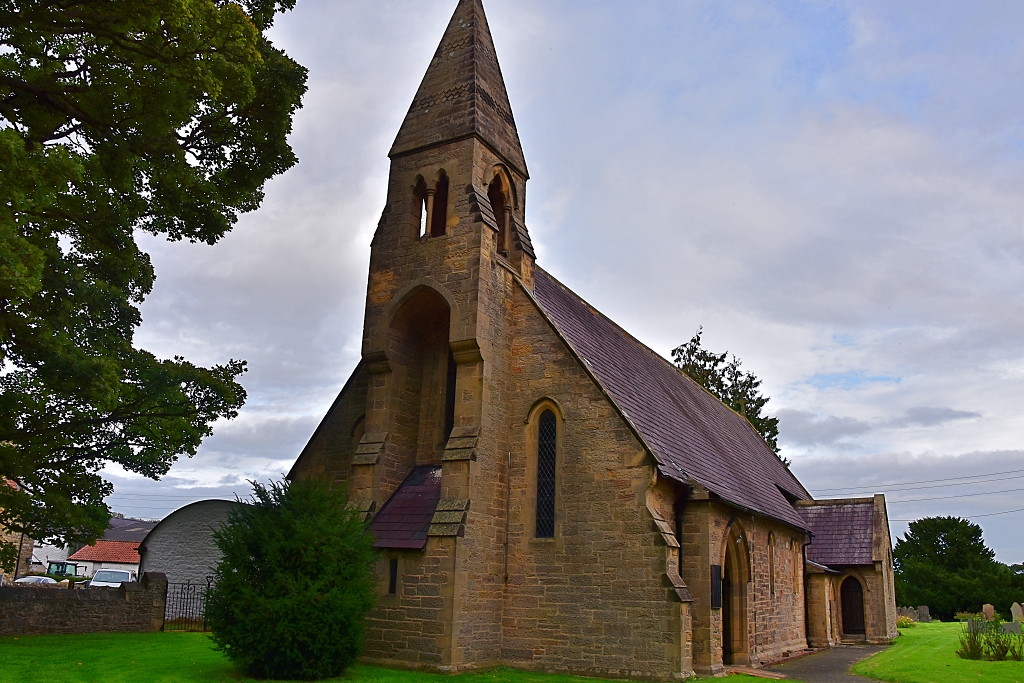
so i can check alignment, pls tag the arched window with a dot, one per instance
(547, 448)
(771, 563)
(419, 207)
(502, 211)
(439, 210)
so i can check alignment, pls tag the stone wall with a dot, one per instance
(134, 607)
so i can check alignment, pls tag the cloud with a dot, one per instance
(807, 429)
(930, 417)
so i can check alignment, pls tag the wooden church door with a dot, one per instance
(853, 606)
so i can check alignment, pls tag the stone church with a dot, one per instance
(547, 492)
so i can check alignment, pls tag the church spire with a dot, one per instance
(463, 94)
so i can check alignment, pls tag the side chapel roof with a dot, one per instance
(692, 434)
(843, 530)
(463, 94)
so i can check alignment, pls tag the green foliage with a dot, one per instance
(905, 622)
(972, 642)
(737, 389)
(118, 116)
(296, 581)
(943, 562)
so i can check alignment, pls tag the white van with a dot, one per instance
(111, 578)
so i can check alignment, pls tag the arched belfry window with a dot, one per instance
(547, 450)
(438, 208)
(502, 207)
(419, 207)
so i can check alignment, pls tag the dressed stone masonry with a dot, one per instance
(547, 492)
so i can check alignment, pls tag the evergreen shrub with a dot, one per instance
(291, 594)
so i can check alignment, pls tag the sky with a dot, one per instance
(830, 189)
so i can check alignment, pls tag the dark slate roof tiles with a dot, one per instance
(842, 534)
(404, 520)
(692, 434)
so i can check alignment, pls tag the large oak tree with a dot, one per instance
(118, 117)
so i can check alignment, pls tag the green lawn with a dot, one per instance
(927, 654)
(184, 658)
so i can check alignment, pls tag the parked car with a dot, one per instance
(111, 578)
(46, 580)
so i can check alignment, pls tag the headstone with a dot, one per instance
(908, 612)
(1011, 627)
(1017, 611)
(976, 626)
(924, 615)
(988, 611)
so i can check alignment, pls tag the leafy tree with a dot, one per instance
(118, 117)
(943, 562)
(737, 389)
(295, 583)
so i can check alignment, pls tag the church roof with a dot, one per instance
(843, 531)
(463, 93)
(404, 520)
(693, 436)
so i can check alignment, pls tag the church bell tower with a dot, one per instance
(450, 248)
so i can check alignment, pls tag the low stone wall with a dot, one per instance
(133, 607)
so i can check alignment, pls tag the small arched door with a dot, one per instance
(853, 606)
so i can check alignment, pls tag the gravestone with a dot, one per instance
(908, 612)
(989, 612)
(976, 626)
(1017, 611)
(924, 615)
(1011, 627)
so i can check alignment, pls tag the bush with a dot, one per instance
(1016, 647)
(997, 644)
(968, 616)
(295, 584)
(905, 622)
(971, 642)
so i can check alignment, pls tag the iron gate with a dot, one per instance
(185, 609)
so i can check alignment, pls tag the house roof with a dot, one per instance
(124, 552)
(463, 94)
(843, 531)
(404, 520)
(121, 529)
(693, 435)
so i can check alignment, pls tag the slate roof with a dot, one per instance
(124, 552)
(405, 518)
(692, 434)
(842, 533)
(127, 529)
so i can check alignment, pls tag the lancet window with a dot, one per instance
(547, 449)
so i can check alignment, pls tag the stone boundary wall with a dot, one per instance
(134, 607)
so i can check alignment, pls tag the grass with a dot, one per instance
(927, 654)
(187, 658)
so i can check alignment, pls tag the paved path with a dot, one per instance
(830, 666)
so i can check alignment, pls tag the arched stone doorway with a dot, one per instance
(852, 597)
(734, 599)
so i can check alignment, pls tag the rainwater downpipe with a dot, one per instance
(508, 503)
